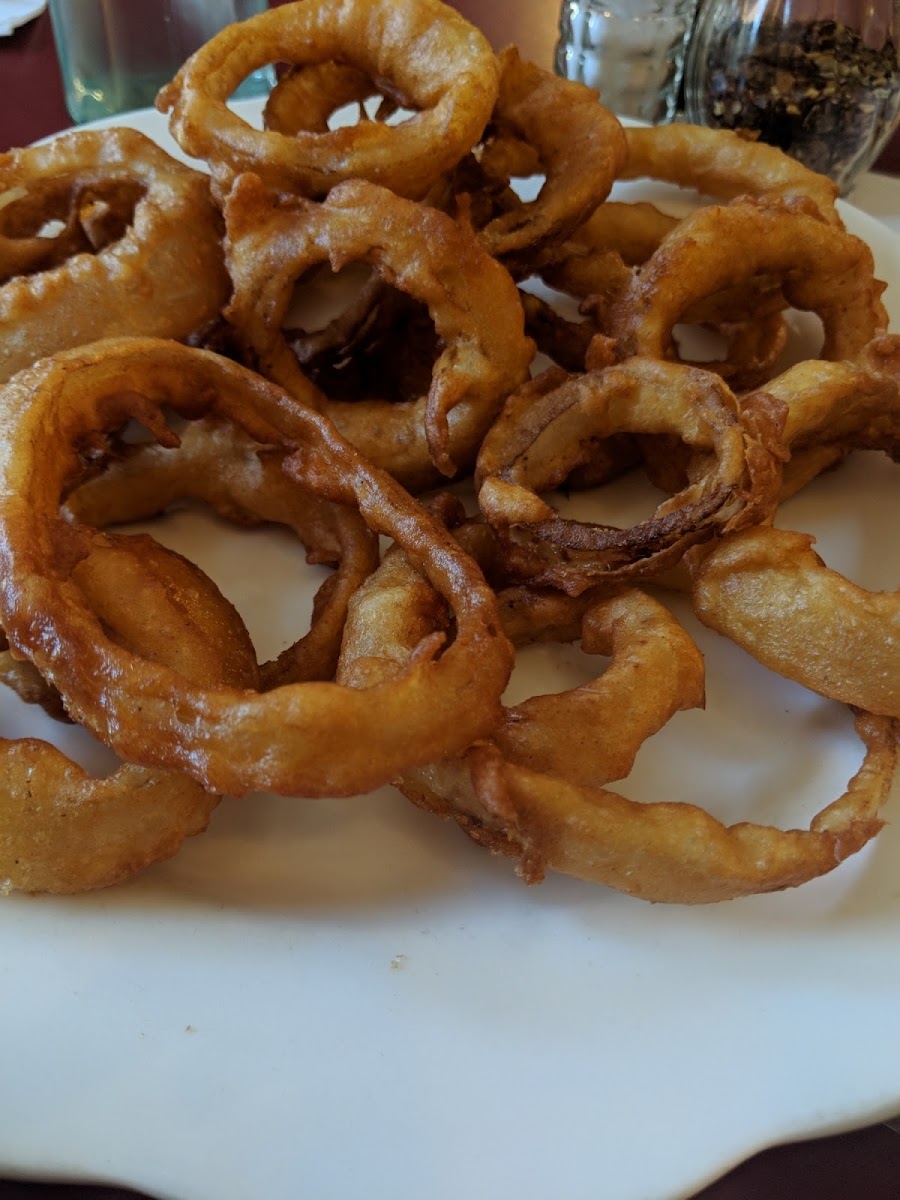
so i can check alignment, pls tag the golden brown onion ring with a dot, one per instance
(675, 852)
(768, 590)
(599, 262)
(534, 791)
(579, 147)
(820, 268)
(442, 66)
(251, 489)
(472, 300)
(165, 277)
(590, 734)
(302, 739)
(722, 164)
(551, 426)
(63, 831)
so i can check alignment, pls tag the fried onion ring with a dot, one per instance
(599, 262)
(243, 482)
(675, 852)
(62, 831)
(165, 276)
(441, 65)
(767, 590)
(302, 739)
(722, 164)
(551, 425)
(534, 792)
(821, 269)
(579, 147)
(473, 302)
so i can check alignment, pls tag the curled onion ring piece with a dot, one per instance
(721, 163)
(768, 590)
(313, 738)
(590, 734)
(549, 427)
(62, 830)
(521, 794)
(579, 146)
(673, 852)
(821, 269)
(252, 489)
(432, 56)
(472, 300)
(165, 277)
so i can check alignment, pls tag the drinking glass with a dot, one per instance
(115, 55)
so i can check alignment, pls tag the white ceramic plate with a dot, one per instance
(14, 13)
(349, 1001)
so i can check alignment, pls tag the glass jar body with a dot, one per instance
(630, 51)
(819, 79)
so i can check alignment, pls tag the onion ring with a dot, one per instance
(821, 269)
(579, 146)
(720, 163)
(472, 301)
(540, 800)
(599, 262)
(62, 831)
(443, 66)
(767, 590)
(676, 852)
(165, 277)
(551, 425)
(302, 739)
(150, 478)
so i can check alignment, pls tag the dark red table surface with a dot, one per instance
(864, 1164)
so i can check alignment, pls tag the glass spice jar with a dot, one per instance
(818, 78)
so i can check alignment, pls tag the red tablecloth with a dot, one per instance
(863, 1164)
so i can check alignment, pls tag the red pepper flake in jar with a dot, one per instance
(815, 89)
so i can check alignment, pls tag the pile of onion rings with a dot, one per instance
(323, 320)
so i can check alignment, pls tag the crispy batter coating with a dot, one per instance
(473, 303)
(164, 276)
(550, 426)
(315, 738)
(441, 65)
(62, 830)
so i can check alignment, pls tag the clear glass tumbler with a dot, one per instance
(115, 55)
(820, 79)
(631, 51)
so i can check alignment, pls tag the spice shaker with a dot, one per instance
(630, 51)
(820, 79)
